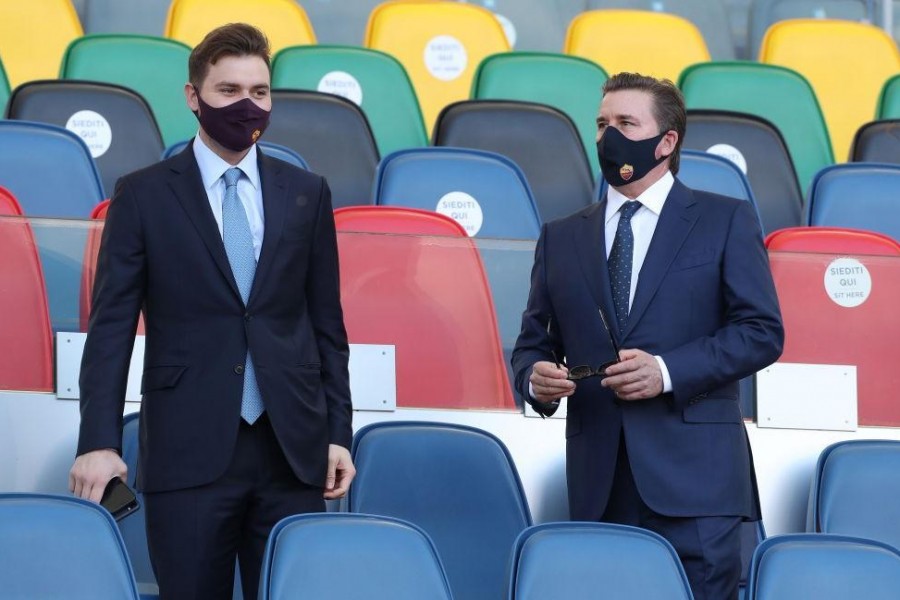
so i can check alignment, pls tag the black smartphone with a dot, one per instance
(119, 499)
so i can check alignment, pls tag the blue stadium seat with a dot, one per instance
(457, 483)
(268, 148)
(61, 547)
(579, 561)
(712, 173)
(824, 567)
(857, 195)
(133, 528)
(484, 192)
(336, 555)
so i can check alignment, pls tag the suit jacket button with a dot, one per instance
(247, 316)
(239, 369)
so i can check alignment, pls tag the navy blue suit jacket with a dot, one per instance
(706, 303)
(162, 251)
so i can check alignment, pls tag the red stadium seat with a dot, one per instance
(429, 297)
(832, 240)
(26, 341)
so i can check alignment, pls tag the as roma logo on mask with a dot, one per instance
(626, 172)
(256, 134)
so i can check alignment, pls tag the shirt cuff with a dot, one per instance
(667, 381)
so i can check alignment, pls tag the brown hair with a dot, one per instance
(668, 105)
(234, 39)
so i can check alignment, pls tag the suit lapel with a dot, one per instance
(273, 193)
(590, 244)
(675, 222)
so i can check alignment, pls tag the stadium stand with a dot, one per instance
(878, 141)
(889, 99)
(472, 505)
(857, 195)
(33, 37)
(484, 192)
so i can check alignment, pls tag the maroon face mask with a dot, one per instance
(236, 126)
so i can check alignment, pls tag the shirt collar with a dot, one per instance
(212, 167)
(653, 197)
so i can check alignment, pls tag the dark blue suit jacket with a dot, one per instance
(162, 251)
(706, 303)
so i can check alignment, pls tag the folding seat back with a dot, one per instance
(757, 149)
(889, 100)
(484, 192)
(627, 563)
(25, 338)
(556, 168)
(154, 67)
(4, 89)
(765, 13)
(777, 94)
(573, 85)
(831, 55)
(825, 567)
(334, 137)
(712, 173)
(61, 547)
(288, 155)
(646, 42)
(458, 483)
(878, 141)
(405, 290)
(351, 556)
(133, 529)
(373, 80)
(857, 195)
(832, 240)
(439, 43)
(116, 123)
(33, 37)
(283, 21)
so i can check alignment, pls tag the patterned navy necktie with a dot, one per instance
(619, 262)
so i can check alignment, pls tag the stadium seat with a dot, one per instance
(350, 556)
(283, 21)
(573, 85)
(4, 89)
(579, 560)
(765, 13)
(542, 140)
(33, 36)
(373, 80)
(712, 173)
(26, 341)
(146, 17)
(857, 195)
(854, 491)
(639, 41)
(825, 567)
(711, 18)
(535, 25)
(116, 123)
(484, 192)
(61, 547)
(439, 43)
(405, 290)
(889, 100)
(778, 94)
(156, 68)
(847, 64)
(756, 147)
(832, 240)
(878, 141)
(458, 483)
(133, 528)
(334, 137)
(268, 148)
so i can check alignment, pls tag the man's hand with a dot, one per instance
(635, 377)
(340, 472)
(549, 383)
(93, 470)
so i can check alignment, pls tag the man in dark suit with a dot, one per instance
(681, 277)
(246, 413)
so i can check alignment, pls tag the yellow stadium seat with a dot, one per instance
(34, 35)
(284, 21)
(847, 63)
(651, 43)
(439, 43)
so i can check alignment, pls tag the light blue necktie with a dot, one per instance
(619, 261)
(239, 248)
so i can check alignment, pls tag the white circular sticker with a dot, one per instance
(343, 84)
(93, 129)
(847, 282)
(445, 57)
(731, 153)
(464, 209)
(508, 28)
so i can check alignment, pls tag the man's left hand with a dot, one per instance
(340, 472)
(635, 377)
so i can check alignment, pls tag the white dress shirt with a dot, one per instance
(249, 188)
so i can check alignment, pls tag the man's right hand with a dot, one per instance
(93, 470)
(549, 383)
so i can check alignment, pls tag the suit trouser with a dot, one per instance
(709, 547)
(195, 534)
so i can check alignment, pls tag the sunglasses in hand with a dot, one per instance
(584, 371)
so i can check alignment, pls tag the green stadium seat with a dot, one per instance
(889, 100)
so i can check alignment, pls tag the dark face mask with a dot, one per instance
(236, 126)
(625, 161)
